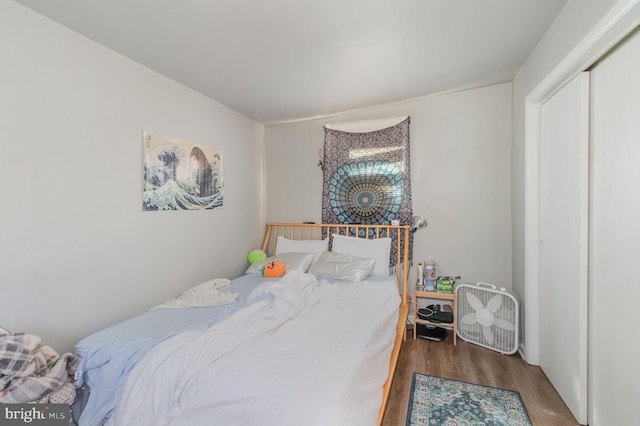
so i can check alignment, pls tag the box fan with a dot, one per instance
(488, 317)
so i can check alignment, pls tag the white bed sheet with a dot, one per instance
(109, 356)
(301, 353)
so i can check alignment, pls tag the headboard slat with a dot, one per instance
(305, 231)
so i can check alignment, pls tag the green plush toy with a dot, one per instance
(256, 256)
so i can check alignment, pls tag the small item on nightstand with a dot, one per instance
(435, 313)
(419, 277)
(429, 275)
(445, 284)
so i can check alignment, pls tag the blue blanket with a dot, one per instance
(109, 355)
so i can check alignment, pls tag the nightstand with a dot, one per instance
(417, 294)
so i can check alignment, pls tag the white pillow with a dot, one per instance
(377, 249)
(342, 266)
(292, 261)
(285, 245)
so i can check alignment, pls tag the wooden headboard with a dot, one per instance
(318, 231)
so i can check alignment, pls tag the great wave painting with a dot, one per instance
(180, 175)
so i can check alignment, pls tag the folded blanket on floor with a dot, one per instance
(30, 372)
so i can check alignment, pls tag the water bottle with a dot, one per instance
(429, 275)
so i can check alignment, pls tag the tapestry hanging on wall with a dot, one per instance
(180, 175)
(367, 177)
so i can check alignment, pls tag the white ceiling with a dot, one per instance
(279, 60)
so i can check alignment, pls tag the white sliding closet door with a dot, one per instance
(564, 188)
(614, 294)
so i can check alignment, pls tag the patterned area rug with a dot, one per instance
(438, 401)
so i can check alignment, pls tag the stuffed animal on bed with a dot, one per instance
(256, 255)
(273, 269)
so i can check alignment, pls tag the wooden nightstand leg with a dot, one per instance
(455, 318)
(415, 323)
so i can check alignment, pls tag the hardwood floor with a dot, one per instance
(474, 364)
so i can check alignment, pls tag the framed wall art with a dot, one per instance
(180, 175)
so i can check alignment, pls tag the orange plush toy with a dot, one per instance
(273, 269)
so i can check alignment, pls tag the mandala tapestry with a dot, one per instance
(367, 178)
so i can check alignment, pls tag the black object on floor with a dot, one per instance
(437, 334)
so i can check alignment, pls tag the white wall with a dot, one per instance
(460, 164)
(77, 251)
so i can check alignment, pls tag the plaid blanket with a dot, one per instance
(30, 372)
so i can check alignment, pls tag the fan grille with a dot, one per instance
(502, 324)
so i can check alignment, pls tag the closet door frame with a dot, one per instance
(613, 27)
(621, 20)
(564, 247)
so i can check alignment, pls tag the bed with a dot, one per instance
(317, 346)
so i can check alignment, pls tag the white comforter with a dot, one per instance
(301, 353)
(202, 295)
